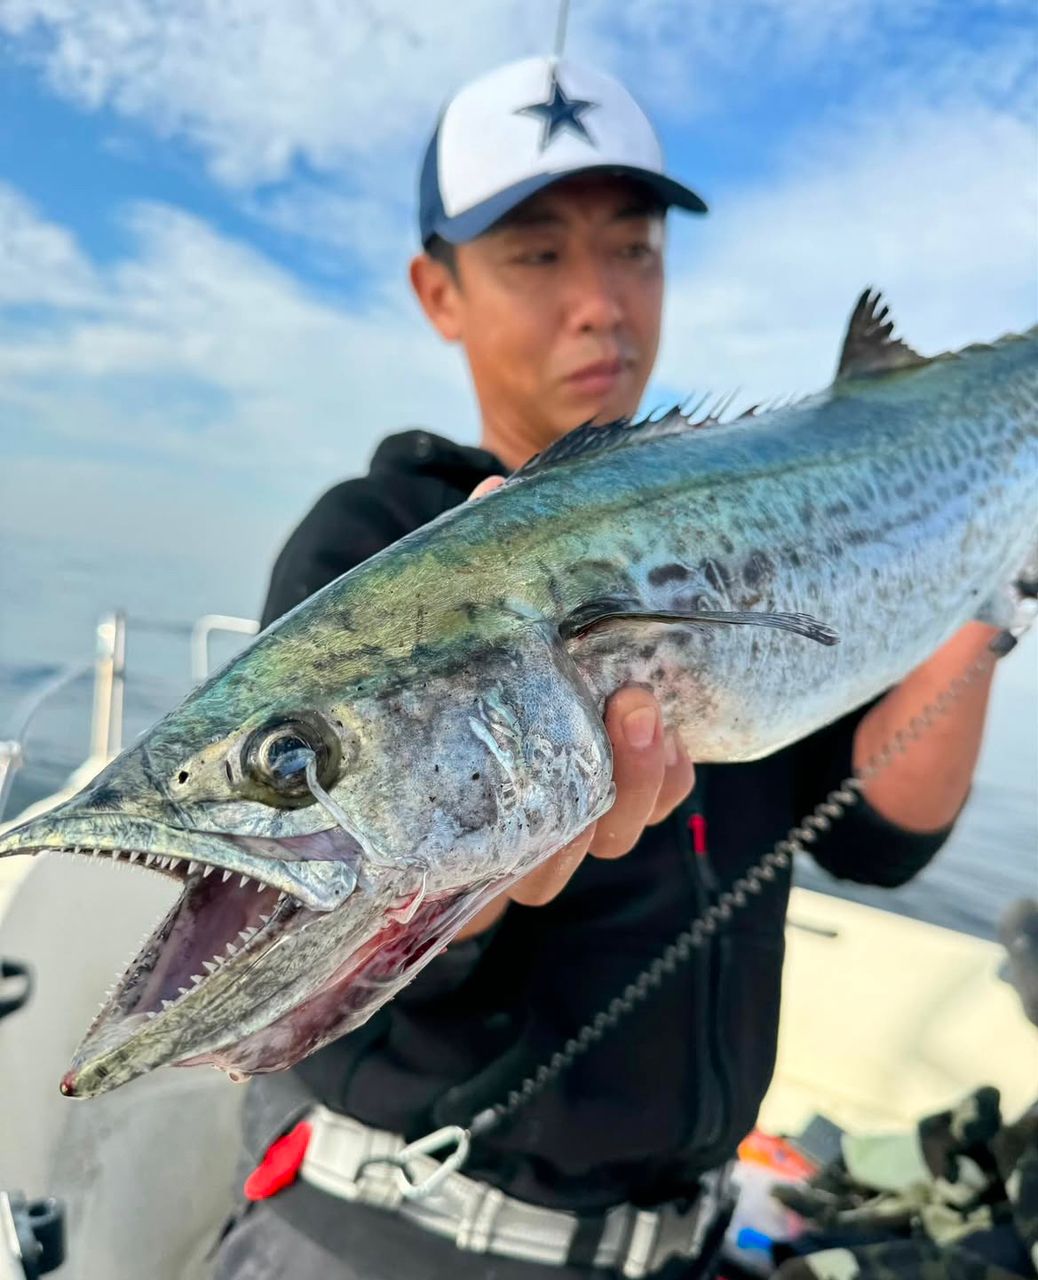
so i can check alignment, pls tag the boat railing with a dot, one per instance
(204, 628)
(106, 720)
(109, 668)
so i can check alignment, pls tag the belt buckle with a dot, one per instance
(680, 1232)
(659, 1235)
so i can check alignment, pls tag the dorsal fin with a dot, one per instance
(869, 346)
(587, 439)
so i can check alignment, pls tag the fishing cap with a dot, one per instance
(517, 129)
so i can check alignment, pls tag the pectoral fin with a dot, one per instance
(1015, 605)
(598, 612)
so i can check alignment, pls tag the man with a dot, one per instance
(542, 216)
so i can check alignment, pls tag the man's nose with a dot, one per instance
(596, 304)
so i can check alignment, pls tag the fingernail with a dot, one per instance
(640, 727)
(670, 748)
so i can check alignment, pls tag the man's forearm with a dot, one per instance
(924, 788)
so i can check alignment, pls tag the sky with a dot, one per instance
(206, 213)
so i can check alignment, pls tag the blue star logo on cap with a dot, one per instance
(559, 113)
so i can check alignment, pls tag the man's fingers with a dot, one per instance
(635, 729)
(551, 877)
(486, 486)
(679, 778)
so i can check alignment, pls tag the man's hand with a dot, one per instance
(652, 773)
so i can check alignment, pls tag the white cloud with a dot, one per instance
(297, 384)
(939, 212)
(922, 184)
(341, 232)
(257, 87)
(39, 262)
(352, 86)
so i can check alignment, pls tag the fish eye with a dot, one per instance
(275, 757)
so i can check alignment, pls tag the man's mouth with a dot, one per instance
(598, 378)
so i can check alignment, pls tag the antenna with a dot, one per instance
(560, 30)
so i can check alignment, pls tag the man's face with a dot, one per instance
(558, 307)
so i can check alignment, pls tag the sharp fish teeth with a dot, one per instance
(244, 881)
(192, 867)
(226, 876)
(134, 855)
(196, 978)
(266, 919)
(232, 950)
(210, 966)
(149, 859)
(166, 1004)
(208, 869)
(182, 990)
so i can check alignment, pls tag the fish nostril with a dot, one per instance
(103, 798)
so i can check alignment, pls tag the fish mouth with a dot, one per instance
(241, 973)
(213, 933)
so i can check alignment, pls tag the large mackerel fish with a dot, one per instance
(405, 744)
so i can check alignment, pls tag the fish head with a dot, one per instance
(330, 827)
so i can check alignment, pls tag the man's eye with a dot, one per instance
(537, 257)
(637, 249)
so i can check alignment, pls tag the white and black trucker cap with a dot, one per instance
(523, 126)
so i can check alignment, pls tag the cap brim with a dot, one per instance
(481, 217)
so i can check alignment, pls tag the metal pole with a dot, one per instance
(106, 726)
(115, 722)
(560, 29)
(10, 763)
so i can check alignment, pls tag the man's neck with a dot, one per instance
(509, 441)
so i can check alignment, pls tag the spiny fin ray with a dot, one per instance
(589, 440)
(870, 346)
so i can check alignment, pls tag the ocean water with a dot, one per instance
(169, 555)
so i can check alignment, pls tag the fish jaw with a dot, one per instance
(239, 959)
(321, 884)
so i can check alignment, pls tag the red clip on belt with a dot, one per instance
(280, 1166)
(697, 825)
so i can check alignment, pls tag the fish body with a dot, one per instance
(448, 692)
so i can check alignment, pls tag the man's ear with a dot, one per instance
(437, 290)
